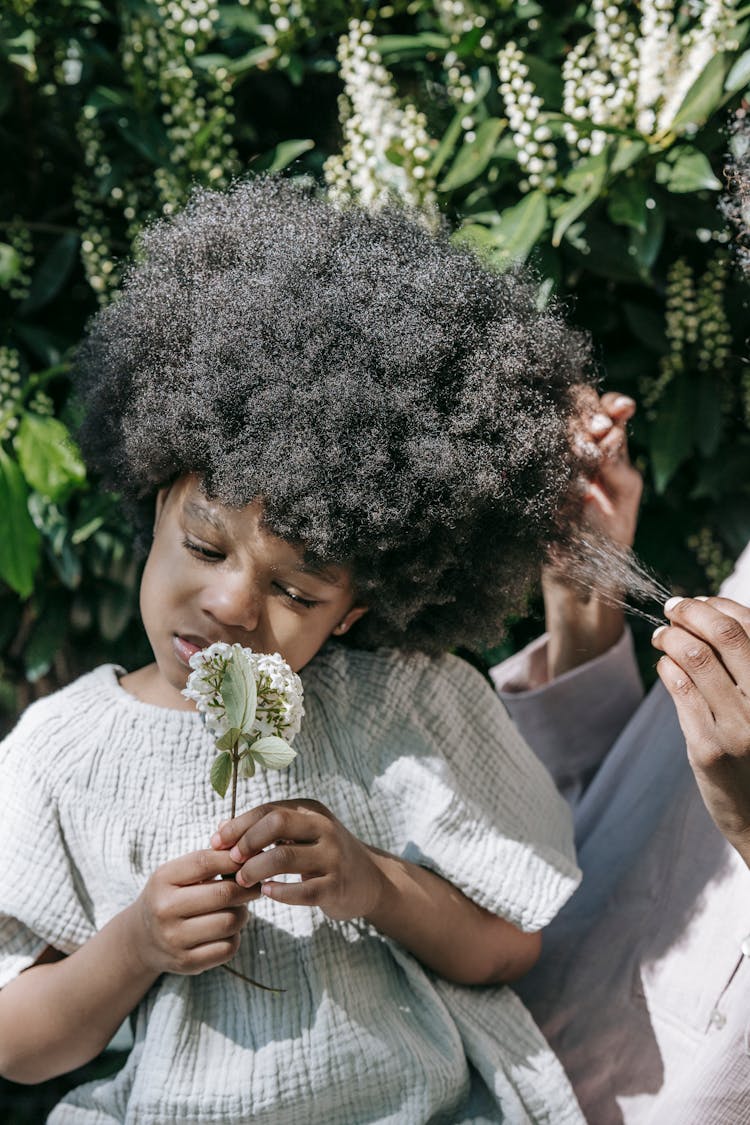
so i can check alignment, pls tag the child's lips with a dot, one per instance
(184, 648)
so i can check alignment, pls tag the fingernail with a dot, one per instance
(600, 423)
(236, 854)
(657, 630)
(622, 401)
(700, 598)
(669, 605)
(216, 840)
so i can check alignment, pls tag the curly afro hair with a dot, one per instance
(398, 407)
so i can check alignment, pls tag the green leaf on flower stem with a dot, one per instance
(221, 773)
(229, 739)
(703, 97)
(473, 156)
(47, 636)
(739, 74)
(688, 170)
(19, 538)
(239, 692)
(247, 765)
(272, 752)
(49, 459)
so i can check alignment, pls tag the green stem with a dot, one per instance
(235, 775)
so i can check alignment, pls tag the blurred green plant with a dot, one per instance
(587, 139)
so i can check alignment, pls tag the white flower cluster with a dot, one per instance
(387, 149)
(460, 16)
(197, 115)
(714, 32)
(626, 75)
(532, 136)
(18, 236)
(599, 78)
(279, 709)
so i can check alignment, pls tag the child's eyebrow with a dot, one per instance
(319, 572)
(197, 511)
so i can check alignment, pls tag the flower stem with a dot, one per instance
(235, 774)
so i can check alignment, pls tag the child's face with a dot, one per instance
(216, 574)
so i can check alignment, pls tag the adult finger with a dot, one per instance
(619, 407)
(726, 636)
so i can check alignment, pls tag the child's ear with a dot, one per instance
(351, 617)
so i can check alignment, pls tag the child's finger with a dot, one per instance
(717, 638)
(220, 926)
(284, 859)
(222, 894)
(279, 822)
(309, 893)
(198, 867)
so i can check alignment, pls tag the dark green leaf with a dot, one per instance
(690, 171)
(647, 325)
(394, 48)
(627, 203)
(46, 638)
(739, 74)
(703, 97)
(627, 152)
(572, 210)
(645, 247)
(19, 538)
(48, 347)
(447, 144)
(708, 416)
(49, 459)
(671, 434)
(513, 237)
(281, 156)
(114, 611)
(473, 156)
(221, 773)
(52, 274)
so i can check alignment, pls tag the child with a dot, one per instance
(342, 432)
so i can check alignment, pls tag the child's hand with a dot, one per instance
(339, 873)
(706, 670)
(186, 919)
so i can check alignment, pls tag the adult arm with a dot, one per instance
(706, 670)
(59, 1014)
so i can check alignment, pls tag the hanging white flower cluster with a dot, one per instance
(628, 75)
(532, 136)
(714, 32)
(387, 148)
(97, 256)
(197, 115)
(599, 78)
(18, 236)
(697, 328)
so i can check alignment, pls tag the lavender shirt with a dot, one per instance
(642, 989)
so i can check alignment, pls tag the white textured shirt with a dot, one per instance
(414, 756)
(642, 988)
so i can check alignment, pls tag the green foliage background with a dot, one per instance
(109, 111)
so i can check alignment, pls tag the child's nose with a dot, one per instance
(233, 602)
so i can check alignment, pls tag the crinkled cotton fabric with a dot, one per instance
(415, 756)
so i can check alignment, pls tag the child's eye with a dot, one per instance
(201, 551)
(308, 603)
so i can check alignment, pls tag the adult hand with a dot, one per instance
(706, 670)
(187, 919)
(339, 873)
(581, 625)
